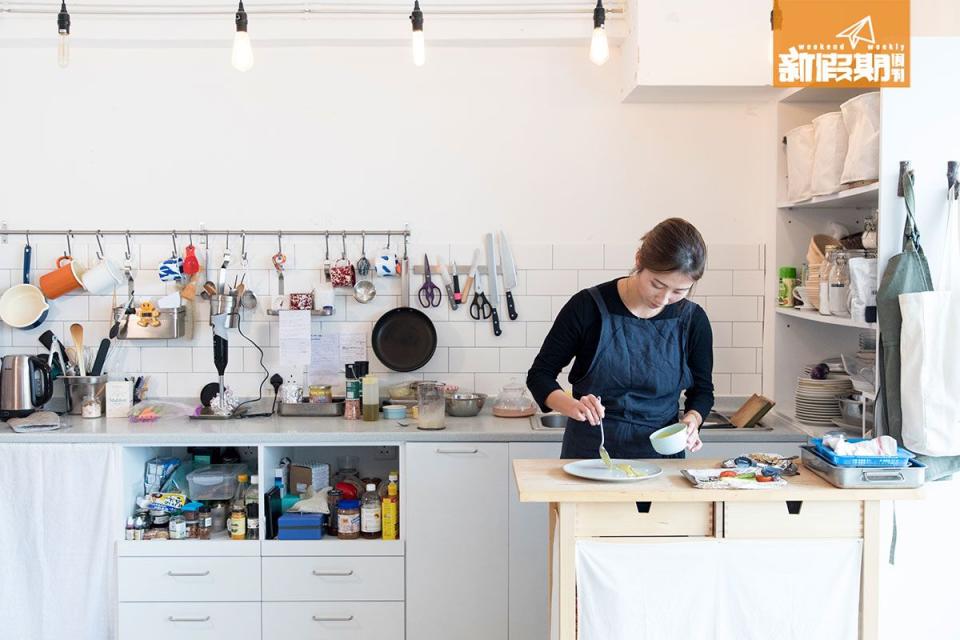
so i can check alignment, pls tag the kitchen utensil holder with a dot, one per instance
(225, 304)
(76, 388)
(172, 325)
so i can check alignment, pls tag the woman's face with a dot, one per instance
(657, 289)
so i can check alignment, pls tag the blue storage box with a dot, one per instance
(301, 526)
(902, 459)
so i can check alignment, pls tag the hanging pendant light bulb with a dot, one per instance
(63, 36)
(416, 19)
(599, 48)
(242, 57)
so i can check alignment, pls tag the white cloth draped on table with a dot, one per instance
(60, 516)
(719, 590)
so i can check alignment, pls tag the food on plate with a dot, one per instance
(728, 474)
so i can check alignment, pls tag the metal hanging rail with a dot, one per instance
(202, 232)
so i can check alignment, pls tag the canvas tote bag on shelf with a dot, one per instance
(930, 353)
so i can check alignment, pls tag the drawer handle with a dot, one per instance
(461, 451)
(332, 619)
(340, 574)
(187, 574)
(204, 619)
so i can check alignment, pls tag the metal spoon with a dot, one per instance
(248, 300)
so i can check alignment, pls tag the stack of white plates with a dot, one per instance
(816, 400)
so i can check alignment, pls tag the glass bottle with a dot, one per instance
(840, 286)
(205, 527)
(352, 409)
(371, 526)
(178, 527)
(371, 399)
(333, 502)
(825, 267)
(238, 509)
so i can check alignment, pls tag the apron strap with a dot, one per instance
(911, 234)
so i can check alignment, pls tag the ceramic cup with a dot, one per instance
(301, 301)
(103, 277)
(386, 263)
(171, 269)
(64, 279)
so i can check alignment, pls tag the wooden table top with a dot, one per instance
(546, 481)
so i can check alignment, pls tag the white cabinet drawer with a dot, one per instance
(188, 579)
(189, 621)
(332, 578)
(333, 621)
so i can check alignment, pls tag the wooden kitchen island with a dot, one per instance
(669, 508)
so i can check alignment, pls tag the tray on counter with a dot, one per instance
(902, 459)
(909, 477)
(313, 409)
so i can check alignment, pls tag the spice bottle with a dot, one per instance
(192, 518)
(253, 521)
(238, 509)
(178, 528)
(371, 526)
(333, 501)
(205, 527)
(128, 533)
(351, 407)
(348, 520)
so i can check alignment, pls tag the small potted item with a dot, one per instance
(514, 402)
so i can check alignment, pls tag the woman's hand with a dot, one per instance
(693, 420)
(586, 409)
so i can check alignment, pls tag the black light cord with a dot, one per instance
(266, 374)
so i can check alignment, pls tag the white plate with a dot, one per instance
(596, 470)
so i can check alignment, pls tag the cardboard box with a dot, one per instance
(301, 477)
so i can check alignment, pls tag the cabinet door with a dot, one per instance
(455, 511)
(529, 529)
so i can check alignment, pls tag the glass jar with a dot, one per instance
(839, 279)
(90, 407)
(825, 268)
(347, 472)
(333, 501)
(514, 402)
(205, 525)
(320, 393)
(178, 528)
(192, 519)
(431, 406)
(348, 520)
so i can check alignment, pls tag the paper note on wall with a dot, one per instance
(325, 354)
(353, 347)
(295, 337)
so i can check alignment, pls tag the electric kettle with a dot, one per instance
(26, 384)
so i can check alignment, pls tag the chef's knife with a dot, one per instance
(509, 274)
(492, 286)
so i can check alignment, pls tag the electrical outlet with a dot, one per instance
(385, 453)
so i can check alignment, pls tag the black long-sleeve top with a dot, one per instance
(576, 334)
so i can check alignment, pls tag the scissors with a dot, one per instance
(480, 307)
(429, 293)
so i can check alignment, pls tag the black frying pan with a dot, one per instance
(404, 339)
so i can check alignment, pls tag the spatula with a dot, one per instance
(76, 331)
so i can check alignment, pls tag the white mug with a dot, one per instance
(103, 277)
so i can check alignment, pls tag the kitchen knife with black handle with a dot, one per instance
(510, 279)
(97, 368)
(492, 286)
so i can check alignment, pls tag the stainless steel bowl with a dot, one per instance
(464, 405)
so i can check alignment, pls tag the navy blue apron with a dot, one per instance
(639, 370)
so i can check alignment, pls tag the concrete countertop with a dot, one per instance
(290, 429)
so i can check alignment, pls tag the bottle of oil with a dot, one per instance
(371, 398)
(391, 510)
(238, 510)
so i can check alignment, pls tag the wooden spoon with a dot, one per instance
(76, 331)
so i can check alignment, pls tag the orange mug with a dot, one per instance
(64, 279)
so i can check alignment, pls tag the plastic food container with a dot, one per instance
(214, 482)
(902, 459)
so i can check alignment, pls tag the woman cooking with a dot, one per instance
(637, 343)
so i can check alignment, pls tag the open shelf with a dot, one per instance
(865, 197)
(822, 94)
(814, 316)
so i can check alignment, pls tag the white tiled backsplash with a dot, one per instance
(468, 354)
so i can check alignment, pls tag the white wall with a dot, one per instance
(531, 139)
